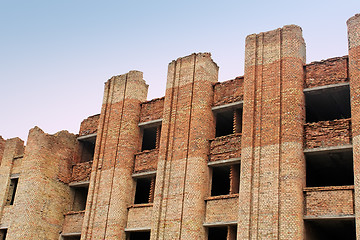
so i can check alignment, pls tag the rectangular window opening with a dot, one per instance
(228, 122)
(150, 138)
(87, 150)
(3, 233)
(225, 180)
(144, 192)
(12, 191)
(333, 168)
(222, 233)
(71, 237)
(330, 229)
(139, 235)
(80, 197)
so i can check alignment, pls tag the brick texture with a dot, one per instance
(222, 209)
(225, 147)
(89, 125)
(73, 222)
(229, 91)
(81, 172)
(146, 161)
(152, 110)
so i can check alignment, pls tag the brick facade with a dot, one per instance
(240, 159)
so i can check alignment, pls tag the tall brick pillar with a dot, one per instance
(272, 160)
(111, 184)
(182, 173)
(354, 72)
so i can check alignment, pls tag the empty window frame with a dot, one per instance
(80, 197)
(330, 229)
(12, 191)
(228, 122)
(144, 192)
(87, 149)
(327, 103)
(329, 168)
(145, 235)
(150, 138)
(222, 232)
(225, 180)
(77, 237)
(3, 233)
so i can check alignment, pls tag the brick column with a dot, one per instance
(182, 175)
(111, 184)
(354, 73)
(272, 160)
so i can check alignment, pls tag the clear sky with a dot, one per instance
(56, 55)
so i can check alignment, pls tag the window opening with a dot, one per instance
(150, 138)
(80, 197)
(225, 180)
(3, 233)
(12, 191)
(144, 192)
(222, 233)
(330, 229)
(228, 122)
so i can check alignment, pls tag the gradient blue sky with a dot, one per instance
(56, 55)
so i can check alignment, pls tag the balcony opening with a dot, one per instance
(3, 233)
(12, 191)
(139, 235)
(80, 197)
(150, 138)
(329, 168)
(144, 192)
(328, 103)
(87, 148)
(228, 122)
(330, 229)
(222, 233)
(225, 180)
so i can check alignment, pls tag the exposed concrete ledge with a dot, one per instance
(14, 175)
(4, 226)
(228, 106)
(87, 137)
(144, 174)
(218, 224)
(79, 184)
(329, 217)
(224, 162)
(143, 229)
(76, 234)
(151, 123)
(326, 87)
(328, 149)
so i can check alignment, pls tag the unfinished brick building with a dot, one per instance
(274, 154)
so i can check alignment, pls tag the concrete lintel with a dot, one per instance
(151, 123)
(87, 137)
(326, 87)
(335, 217)
(328, 149)
(75, 234)
(140, 229)
(224, 162)
(218, 224)
(144, 174)
(4, 226)
(79, 184)
(228, 106)
(14, 175)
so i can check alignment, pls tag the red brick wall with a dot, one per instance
(89, 125)
(229, 91)
(329, 71)
(329, 201)
(2, 147)
(222, 208)
(146, 160)
(225, 147)
(152, 110)
(73, 222)
(81, 172)
(327, 133)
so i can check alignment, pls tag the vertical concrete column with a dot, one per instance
(43, 195)
(272, 161)
(111, 184)
(353, 25)
(182, 175)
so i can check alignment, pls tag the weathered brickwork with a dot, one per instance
(326, 72)
(171, 191)
(152, 110)
(89, 125)
(327, 133)
(229, 91)
(81, 172)
(146, 161)
(225, 147)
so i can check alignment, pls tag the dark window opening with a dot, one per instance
(3, 233)
(12, 191)
(71, 237)
(328, 104)
(225, 180)
(139, 235)
(144, 192)
(330, 229)
(80, 197)
(151, 138)
(222, 233)
(333, 168)
(87, 151)
(228, 122)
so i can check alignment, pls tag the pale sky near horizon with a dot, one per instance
(56, 55)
